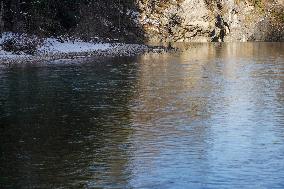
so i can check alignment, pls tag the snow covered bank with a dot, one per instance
(49, 49)
(52, 45)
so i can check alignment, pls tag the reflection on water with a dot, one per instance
(210, 116)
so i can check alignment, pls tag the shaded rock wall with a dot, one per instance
(89, 19)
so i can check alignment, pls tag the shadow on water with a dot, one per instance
(210, 116)
(65, 126)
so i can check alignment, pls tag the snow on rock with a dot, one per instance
(51, 49)
(5, 54)
(9, 55)
(5, 35)
(52, 45)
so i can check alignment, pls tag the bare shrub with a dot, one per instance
(20, 43)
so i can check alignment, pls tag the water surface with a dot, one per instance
(211, 116)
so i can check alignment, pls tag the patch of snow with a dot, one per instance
(6, 35)
(52, 45)
(10, 55)
(5, 54)
(51, 49)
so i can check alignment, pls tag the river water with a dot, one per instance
(211, 116)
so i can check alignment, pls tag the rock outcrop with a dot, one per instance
(212, 20)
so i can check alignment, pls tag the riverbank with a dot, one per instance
(23, 49)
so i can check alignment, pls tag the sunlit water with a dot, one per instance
(211, 116)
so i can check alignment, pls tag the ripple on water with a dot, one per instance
(207, 117)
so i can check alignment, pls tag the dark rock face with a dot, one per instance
(110, 20)
(1, 17)
(220, 31)
(87, 19)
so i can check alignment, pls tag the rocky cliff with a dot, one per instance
(148, 20)
(212, 20)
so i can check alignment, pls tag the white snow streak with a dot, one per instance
(54, 46)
